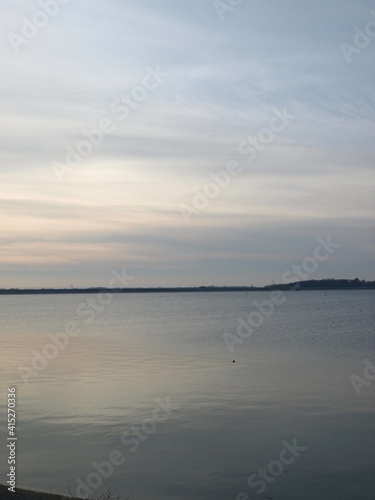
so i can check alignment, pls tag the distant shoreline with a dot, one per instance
(325, 284)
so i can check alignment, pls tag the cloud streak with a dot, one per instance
(225, 79)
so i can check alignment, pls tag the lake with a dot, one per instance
(166, 396)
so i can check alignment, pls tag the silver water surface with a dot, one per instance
(290, 380)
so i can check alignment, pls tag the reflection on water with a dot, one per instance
(289, 380)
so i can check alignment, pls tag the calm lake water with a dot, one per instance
(97, 397)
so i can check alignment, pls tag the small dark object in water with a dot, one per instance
(233, 361)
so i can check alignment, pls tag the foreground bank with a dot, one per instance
(29, 495)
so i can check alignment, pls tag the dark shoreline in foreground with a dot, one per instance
(325, 284)
(23, 494)
(26, 494)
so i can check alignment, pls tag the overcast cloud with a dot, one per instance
(202, 80)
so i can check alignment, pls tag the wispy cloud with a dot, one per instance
(225, 80)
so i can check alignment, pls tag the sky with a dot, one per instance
(190, 142)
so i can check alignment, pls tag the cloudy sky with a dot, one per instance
(278, 92)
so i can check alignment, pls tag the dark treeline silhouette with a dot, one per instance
(325, 284)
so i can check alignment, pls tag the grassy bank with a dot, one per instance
(22, 494)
